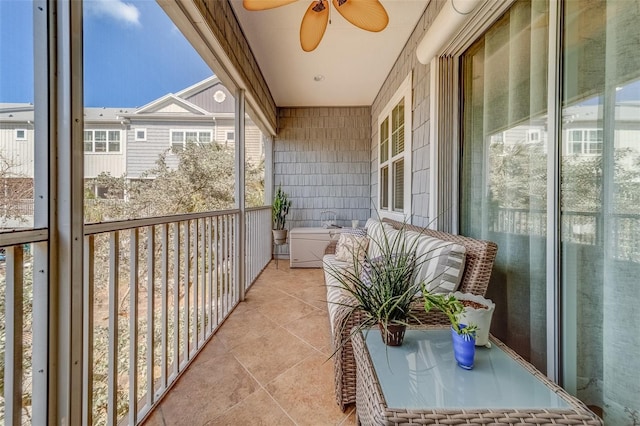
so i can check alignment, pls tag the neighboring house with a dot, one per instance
(122, 141)
(202, 113)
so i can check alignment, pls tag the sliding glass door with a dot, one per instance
(504, 178)
(600, 201)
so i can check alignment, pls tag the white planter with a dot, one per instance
(279, 236)
(480, 317)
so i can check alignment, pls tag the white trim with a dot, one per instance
(450, 20)
(143, 138)
(403, 91)
(23, 138)
(184, 131)
(553, 262)
(93, 142)
(433, 144)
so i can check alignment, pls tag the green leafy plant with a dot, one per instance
(382, 291)
(280, 209)
(449, 305)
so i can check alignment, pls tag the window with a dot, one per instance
(533, 135)
(231, 136)
(179, 138)
(394, 165)
(141, 135)
(584, 141)
(102, 141)
(21, 135)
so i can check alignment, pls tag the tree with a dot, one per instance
(203, 180)
(16, 193)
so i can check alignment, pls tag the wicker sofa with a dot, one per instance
(480, 256)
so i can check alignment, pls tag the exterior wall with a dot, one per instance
(113, 163)
(222, 22)
(142, 155)
(94, 164)
(18, 153)
(406, 63)
(254, 147)
(205, 99)
(321, 158)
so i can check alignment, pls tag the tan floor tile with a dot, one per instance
(269, 338)
(269, 356)
(257, 409)
(214, 348)
(206, 390)
(303, 393)
(313, 299)
(312, 328)
(244, 325)
(287, 310)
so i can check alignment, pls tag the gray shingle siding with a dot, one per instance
(406, 63)
(322, 160)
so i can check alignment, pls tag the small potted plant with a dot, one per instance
(280, 209)
(380, 290)
(463, 335)
(477, 310)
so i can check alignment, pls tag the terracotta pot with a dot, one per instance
(392, 334)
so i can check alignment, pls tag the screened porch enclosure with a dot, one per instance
(523, 129)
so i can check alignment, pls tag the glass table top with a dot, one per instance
(422, 373)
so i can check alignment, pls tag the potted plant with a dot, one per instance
(380, 291)
(280, 209)
(462, 335)
(479, 311)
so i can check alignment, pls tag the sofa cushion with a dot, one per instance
(334, 288)
(351, 247)
(441, 263)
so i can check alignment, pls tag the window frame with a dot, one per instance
(585, 142)
(107, 141)
(402, 95)
(143, 138)
(23, 138)
(184, 136)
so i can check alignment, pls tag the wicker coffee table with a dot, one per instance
(419, 382)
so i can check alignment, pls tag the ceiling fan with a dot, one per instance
(368, 15)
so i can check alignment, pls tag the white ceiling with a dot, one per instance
(353, 62)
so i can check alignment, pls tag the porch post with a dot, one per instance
(240, 189)
(66, 212)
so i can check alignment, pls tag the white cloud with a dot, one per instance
(116, 9)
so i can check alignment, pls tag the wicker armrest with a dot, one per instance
(331, 248)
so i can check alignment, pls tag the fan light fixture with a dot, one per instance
(368, 15)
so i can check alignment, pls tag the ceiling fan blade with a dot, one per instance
(314, 23)
(264, 4)
(369, 15)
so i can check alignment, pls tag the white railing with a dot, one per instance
(257, 242)
(23, 326)
(155, 291)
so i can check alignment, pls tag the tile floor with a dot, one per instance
(267, 365)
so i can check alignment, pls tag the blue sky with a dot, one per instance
(133, 53)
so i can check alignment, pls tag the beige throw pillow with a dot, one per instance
(351, 247)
